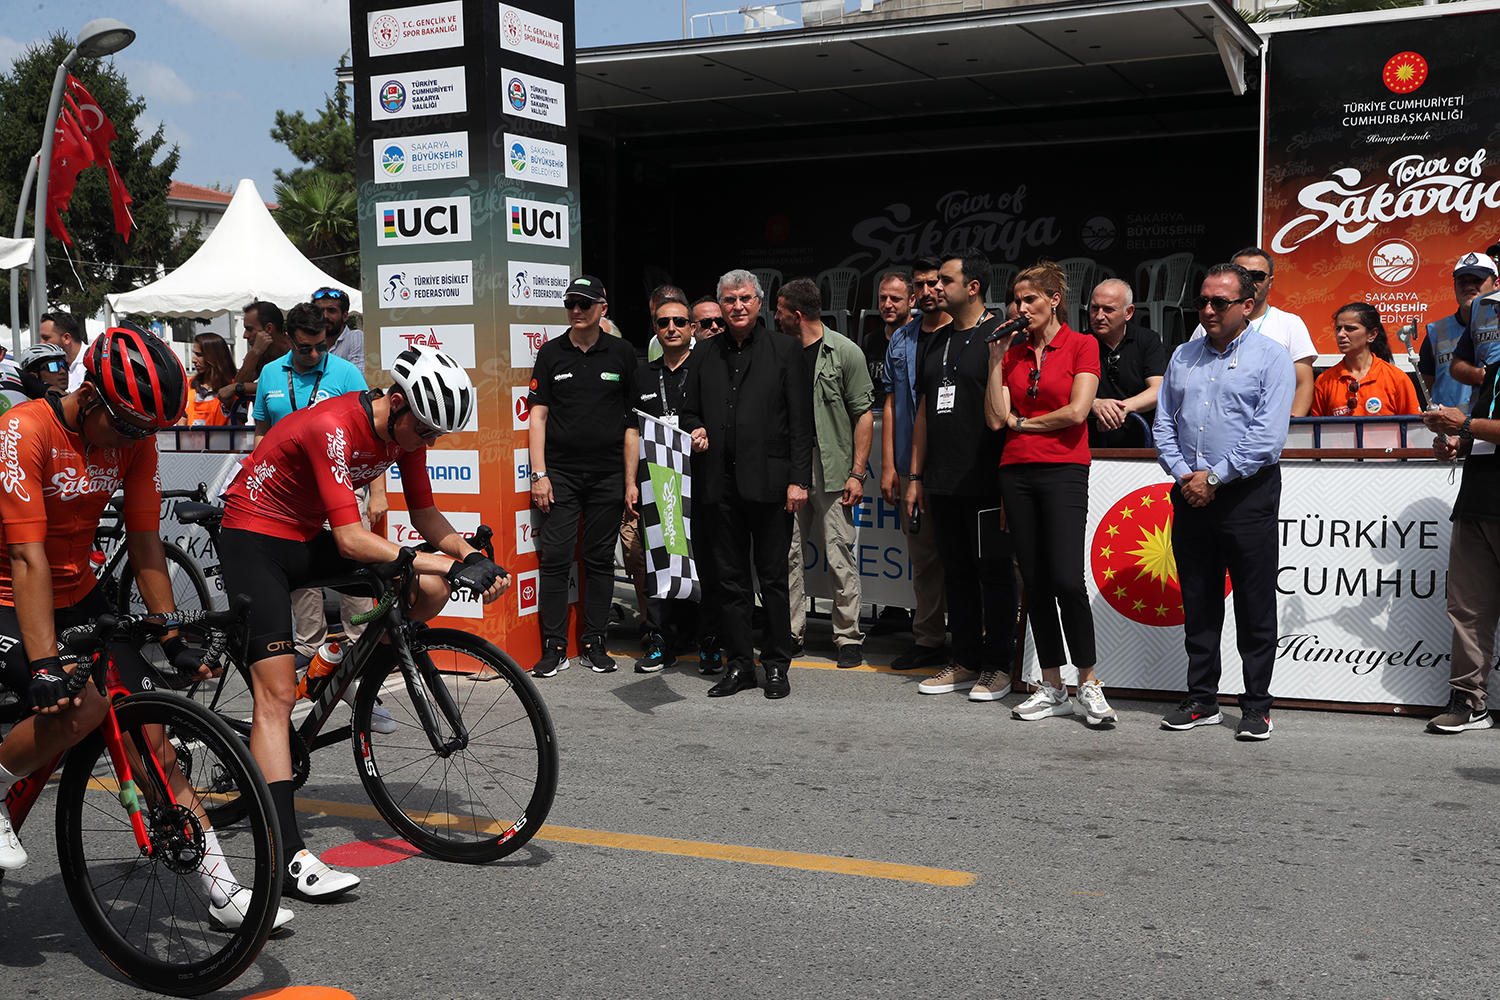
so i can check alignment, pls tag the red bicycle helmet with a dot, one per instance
(137, 374)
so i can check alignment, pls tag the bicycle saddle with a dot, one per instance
(189, 512)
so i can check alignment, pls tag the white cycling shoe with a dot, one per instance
(12, 854)
(381, 721)
(231, 916)
(311, 879)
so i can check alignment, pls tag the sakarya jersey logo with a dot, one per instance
(1132, 559)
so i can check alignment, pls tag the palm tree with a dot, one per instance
(317, 213)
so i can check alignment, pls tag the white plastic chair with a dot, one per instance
(1001, 275)
(1167, 297)
(1080, 274)
(837, 285)
(770, 281)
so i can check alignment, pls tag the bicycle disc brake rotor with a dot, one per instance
(177, 838)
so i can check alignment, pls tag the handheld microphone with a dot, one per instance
(1008, 328)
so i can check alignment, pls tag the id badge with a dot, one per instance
(945, 396)
(670, 418)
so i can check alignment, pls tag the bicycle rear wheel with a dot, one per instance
(149, 914)
(475, 804)
(189, 589)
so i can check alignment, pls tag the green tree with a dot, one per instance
(99, 262)
(317, 202)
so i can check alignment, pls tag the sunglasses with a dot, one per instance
(1112, 365)
(1034, 377)
(730, 300)
(424, 431)
(306, 349)
(327, 293)
(710, 321)
(49, 366)
(1352, 384)
(123, 427)
(1218, 302)
(584, 304)
(662, 322)
(1258, 276)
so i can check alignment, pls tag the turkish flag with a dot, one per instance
(71, 153)
(101, 132)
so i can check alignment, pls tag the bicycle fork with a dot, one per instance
(425, 686)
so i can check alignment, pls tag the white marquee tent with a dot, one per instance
(247, 257)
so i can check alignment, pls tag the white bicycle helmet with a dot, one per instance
(436, 387)
(37, 353)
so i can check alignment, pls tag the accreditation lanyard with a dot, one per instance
(668, 411)
(291, 393)
(947, 389)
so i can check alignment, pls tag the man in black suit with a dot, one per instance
(749, 409)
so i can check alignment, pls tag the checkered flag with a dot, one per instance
(667, 510)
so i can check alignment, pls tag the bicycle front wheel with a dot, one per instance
(149, 913)
(488, 791)
(189, 589)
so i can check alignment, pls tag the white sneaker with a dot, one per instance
(1046, 701)
(313, 880)
(12, 854)
(231, 916)
(382, 721)
(991, 686)
(1096, 711)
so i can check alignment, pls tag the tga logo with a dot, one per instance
(427, 220)
(393, 160)
(420, 339)
(537, 222)
(396, 289)
(392, 96)
(515, 91)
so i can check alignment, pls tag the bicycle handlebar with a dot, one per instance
(94, 639)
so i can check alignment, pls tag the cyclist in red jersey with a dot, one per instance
(61, 459)
(302, 474)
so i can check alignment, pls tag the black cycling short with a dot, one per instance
(15, 667)
(268, 569)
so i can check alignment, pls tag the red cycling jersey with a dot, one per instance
(53, 488)
(307, 467)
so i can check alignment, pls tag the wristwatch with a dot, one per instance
(239, 389)
(863, 477)
(1019, 421)
(1464, 431)
(538, 476)
(1214, 480)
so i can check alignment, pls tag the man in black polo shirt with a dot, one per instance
(584, 446)
(1132, 363)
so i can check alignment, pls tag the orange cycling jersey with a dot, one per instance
(1384, 391)
(53, 487)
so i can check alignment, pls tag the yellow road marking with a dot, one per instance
(684, 848)
(869, 668)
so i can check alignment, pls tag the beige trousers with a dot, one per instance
(823, 519)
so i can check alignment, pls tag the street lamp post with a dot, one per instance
(101, 37)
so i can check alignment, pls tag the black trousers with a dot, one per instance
(1047, 508)
(597, 499)
(1237, 532)
(747, 531)
(981, 593)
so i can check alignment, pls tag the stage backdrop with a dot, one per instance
(468, 219)
(1381, 166)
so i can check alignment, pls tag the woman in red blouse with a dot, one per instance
(1041, 390)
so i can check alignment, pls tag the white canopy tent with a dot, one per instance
(247, 257)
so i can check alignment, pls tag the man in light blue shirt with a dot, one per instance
(305, 375)
(1221, 422)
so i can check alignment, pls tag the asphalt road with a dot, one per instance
(1349, 856)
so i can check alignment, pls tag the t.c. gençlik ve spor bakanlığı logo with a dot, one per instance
(385, 32)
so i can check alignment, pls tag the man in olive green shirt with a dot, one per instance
(842, 397)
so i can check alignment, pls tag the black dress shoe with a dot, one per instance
(736, 680)
(777, 686)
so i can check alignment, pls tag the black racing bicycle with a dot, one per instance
(190, 582)
(451, 740)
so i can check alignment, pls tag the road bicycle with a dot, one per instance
(131, 822)
(190, 582)
(467, 770)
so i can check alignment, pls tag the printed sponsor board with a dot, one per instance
(522, 462)
(422, 220)
(520, 409)
(416, 29)
(535, 160)
(534, 97)
(532, 284)
(528, 34)
(1378, 170)
(422, 157)
(527, 338)
(426, 283)
(528, 523)
(455, 340)
(418, 93)
(398, 528)
(536, 222)
(450, 470)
